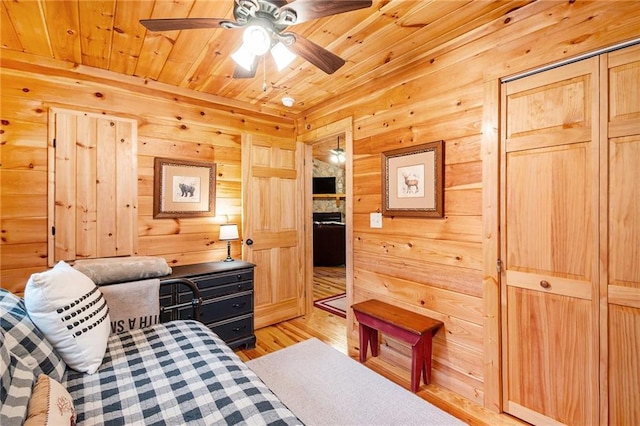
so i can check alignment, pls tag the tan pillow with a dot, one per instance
(50, 404)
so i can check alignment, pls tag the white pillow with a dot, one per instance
(72, 314)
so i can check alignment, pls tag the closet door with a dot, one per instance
(549, 245)
(621, 76)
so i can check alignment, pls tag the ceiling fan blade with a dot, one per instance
(306, 10)
(318, 56)
(182, 23)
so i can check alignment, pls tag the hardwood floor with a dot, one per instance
(328, 281)
(332, 330)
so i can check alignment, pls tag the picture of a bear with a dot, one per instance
(186, 190)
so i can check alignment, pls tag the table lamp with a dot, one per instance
(228, 233)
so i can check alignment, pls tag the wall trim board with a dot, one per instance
(491, 245)
(31, 63)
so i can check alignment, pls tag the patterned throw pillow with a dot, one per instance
(16, 379)
(25, 341)
(72, 314)
(50, 404)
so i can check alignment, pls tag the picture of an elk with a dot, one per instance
(411, 183)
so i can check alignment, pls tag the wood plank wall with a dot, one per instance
(169, 125)
(434, 266)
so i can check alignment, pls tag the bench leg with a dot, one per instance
(364, 342)
(417, 364)
(375, 346)
(428, 348)
(368, 335)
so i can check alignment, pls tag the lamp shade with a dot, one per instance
(229, 231)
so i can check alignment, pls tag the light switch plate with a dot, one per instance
(375, 220)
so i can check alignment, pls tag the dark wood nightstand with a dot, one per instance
(226, 289)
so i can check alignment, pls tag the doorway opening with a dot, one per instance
(329, 225)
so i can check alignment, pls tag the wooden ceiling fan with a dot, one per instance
(264, 22)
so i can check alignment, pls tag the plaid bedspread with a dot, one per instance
(173, 373)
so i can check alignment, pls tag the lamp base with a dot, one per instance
(229, 258)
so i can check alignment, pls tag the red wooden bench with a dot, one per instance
(410, 327)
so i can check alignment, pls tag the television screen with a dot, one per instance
(324, 185)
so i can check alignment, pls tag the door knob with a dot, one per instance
(249, 241)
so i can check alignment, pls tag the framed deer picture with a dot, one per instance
(413, 181)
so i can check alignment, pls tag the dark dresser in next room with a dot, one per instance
(226, 289)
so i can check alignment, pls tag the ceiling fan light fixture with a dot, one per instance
(243, 57)
(282, 56)
(337, 155)
(256, 39)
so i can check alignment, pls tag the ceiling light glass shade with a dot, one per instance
(338, 156)
(256, 39)
(243, 57)
(282, 55)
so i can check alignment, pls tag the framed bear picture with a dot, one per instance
(413, 181)
(183, 188)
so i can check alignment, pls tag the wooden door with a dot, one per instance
(273, 226)
(93, 186)
(549, 245)
(621, 251)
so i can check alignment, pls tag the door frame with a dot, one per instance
(492, 268)
(340, 127)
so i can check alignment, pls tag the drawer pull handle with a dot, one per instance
(545, 284)
(239, 328)
(238, 277)
(239, 305)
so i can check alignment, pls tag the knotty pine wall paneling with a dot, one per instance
(169, 125)
(438, 266)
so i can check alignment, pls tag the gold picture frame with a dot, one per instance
(413, 181)
(183, 188)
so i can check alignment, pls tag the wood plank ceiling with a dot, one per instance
(391, 36)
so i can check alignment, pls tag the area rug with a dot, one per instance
(323, 386)
(335, 304)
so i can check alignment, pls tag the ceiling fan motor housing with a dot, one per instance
(247, 10)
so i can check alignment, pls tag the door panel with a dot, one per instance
(550, 245)
(624, 212)
(550, 358)
(622, 121)
(550, 229)
(273, 220)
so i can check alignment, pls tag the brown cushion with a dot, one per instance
(50, 404)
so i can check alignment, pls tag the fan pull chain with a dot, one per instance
(264, 74)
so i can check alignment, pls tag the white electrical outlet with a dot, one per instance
(375, 220)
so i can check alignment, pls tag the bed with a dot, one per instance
(172, 373)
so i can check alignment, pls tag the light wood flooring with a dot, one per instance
(332, 330)
(328, 281)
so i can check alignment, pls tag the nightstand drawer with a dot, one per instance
(224, 290)
(207, 281)
(235, 328)
(214, 310)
